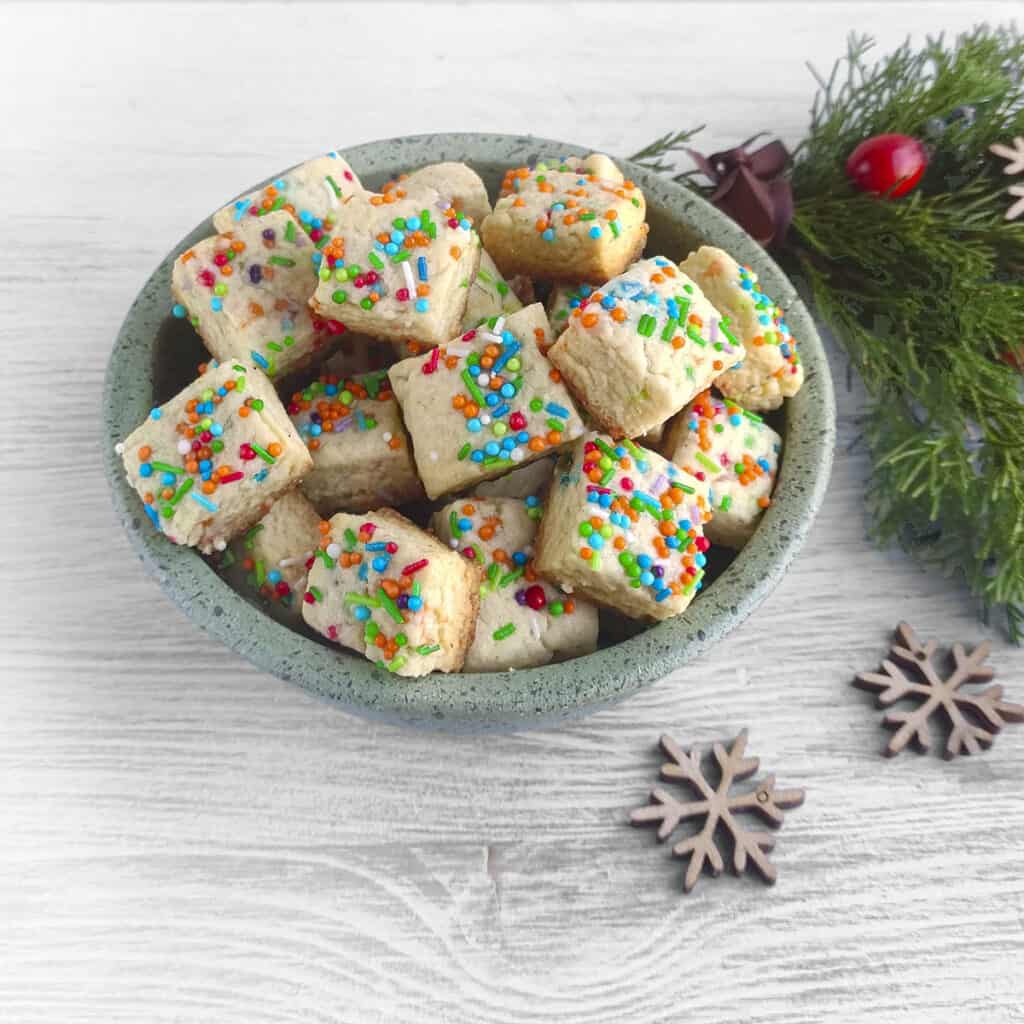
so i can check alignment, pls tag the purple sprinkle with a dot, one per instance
(659, 484)
(403, 601)
(521, 597)
(340, 425)
(714, 332)
(658, 571)
(269, 234)
(255, 273)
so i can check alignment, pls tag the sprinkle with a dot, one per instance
(415, 567)
(263, 454)
(389, 606)
(557, 410)
(710, 466)
(504, 631)
(352, 598)
(425, 649)
(281, 261)
(396, 663)
(200, 500)
(164, 468)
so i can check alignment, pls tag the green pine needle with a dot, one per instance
(926, 294)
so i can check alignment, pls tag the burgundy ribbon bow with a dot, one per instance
(749, 187)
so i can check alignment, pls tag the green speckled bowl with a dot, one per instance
(155, 356)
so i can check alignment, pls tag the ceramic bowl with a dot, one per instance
(155, 356)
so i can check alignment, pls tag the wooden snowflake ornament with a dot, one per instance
(912, 672)
(717, 806)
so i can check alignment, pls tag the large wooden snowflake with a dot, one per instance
(912, 672)
(718, 806)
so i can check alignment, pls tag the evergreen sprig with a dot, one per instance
(926, 294)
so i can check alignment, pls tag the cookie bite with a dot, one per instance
(556, 224)
(771, 371)
(736, 454)
(485, 403)
(353, 429)
(310, 192)
(392, 592)
(624, 527)
(641, 346)
(394, 268)
(247, 292)
(457, 182)
(489, 295)
(523, 621)
(270, 557)
(206, 463)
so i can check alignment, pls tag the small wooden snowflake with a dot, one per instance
(1014, 157)
(912, 672)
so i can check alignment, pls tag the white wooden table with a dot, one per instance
(183, 838)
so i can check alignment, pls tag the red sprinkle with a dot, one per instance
(308, 598)
(431, 364)
(535, 597)
(415, 567)
(231, 478)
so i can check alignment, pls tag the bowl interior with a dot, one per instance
(156, 355)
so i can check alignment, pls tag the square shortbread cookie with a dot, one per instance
(771, 371)
(484, 403)
(642, 346)
(393, 592)
(394, 268)
(736, 453)
(353, 428)
(624, 527)
(565, 225)
(247, 294)
(523, 621)
(206, 463)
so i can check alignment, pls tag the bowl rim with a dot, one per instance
(525, 697)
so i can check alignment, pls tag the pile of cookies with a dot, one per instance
(383, 349)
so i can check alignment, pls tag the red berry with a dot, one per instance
(889, 165)
(535, 597)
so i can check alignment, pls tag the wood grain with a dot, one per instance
(183, 838)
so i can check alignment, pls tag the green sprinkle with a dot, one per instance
(350, 538)
(289, 231)
(366, 304)
(605, 447)
(334, 186)
(504, 632)
(723, 326)
(464, 451)
(425, 649)
(371, 631)
(707, 463)
(401, 256)
(281, 261)
(432, 230)
(250, 537)
(352, 598)
(493, 572)
(325, 558)
(376, 261)
(476, 551)
(694, 334)
(288, 341)
(556, 608)
(317, 595)
(693, 583)
(263, 453)
(401, 639)
(261, 573)
(614, 225)
(240, 383)
(752, 416)
(725, 503)
(501, 288)
(389, 606)
(556, 425)
(164, 468)
(595, 561)
(396, 663)
(587, 216)
(471, 387)
(453, 522)
(511, 577)
(668, 332)
(274, 347)
(645, 328)
(181, 491)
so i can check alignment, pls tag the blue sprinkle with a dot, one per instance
(647, 578)
(492, 448)
(522, 437)
(473, 425)
(508, 444)
(532, 501)
(398, 237)
(735, 419)
(415, 603)
(199, 499)
(362, 613)
(596, 541)
(155, 414)
(477, 456)
(178, 310)
(608, 302)
(377, 545)
(216, 305)
(465, 524)
(315, 429)
(422, 305)
(151, 512)
(672, 542)
(606, 501)
(557, 410)
(205, 464)
(364, 570)
(465, 224)
(306, 217)
(701, 561)
(492, 399)
(421, 263)
(594, 232)
(500, 411)
(274, 576)
(519, 558)
(548, 235)
(381, 562)
(259, 360)
(507, 390)
(216, 429)
(662, 594)
(391, 248)
(644, 561)
(412, 223)
(145, 469)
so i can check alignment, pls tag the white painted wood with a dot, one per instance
(183, 838)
